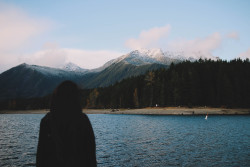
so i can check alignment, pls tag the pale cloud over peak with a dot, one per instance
(57, 57)
(54, 57)
(199, 45)
(148, 38)
(90, 59)
(50, 45)
(190, 47)
(245, 55)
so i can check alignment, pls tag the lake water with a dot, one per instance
(141, 140)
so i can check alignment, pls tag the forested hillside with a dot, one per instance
(200, 83)
(191, 84)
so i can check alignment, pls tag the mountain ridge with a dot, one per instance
(27, 81)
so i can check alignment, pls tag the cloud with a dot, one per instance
(148, 38)
(48, 57)
(190, 48)
(56, 57)
(17, 30)
(7, 61)
(91, 58)
(17, 27)
(245, 55)
(203, 46)
(233, 35)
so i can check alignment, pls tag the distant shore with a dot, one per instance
(151, 111)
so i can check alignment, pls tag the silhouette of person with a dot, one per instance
(66, 137)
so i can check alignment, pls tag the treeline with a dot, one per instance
(35, 103)
(26, 104)
(201, 83)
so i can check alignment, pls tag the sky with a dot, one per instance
(90, 33)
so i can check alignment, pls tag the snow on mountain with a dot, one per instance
(27, 81)
(63, 72)
(45, 70)
(193, 56)
(140, 57)
(137, 57)
(73, 67)
(145, 56)
(150, 56)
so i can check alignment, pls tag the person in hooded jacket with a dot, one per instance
(66, 137)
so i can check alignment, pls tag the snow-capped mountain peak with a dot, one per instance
(148, 52)
(151, 52)
(73, 67)
(149, 56)
(142, 57)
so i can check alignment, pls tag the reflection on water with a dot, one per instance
(140, 140)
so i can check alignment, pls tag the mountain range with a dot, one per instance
(28, 81)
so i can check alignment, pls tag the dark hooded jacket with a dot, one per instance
(66, 137)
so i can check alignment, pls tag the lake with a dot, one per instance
(141, 140)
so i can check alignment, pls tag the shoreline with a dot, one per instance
(150, 111)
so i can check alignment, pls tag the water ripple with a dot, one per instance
(140, 140)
